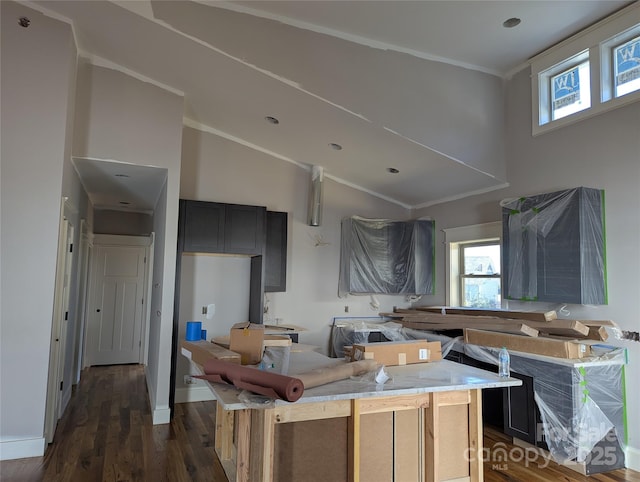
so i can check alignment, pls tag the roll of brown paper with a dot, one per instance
(321, 376)
(272, 385)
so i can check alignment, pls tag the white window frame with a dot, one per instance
(597, 40)
(454, 237)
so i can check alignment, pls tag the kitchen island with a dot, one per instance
(423, 424)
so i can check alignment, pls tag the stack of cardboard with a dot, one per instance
(526, 331)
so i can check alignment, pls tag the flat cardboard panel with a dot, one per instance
(376, 446)
(311, 451)
(541, 346)
(406, 448)
(393, 353)
(454, 441)
(203, 350)
(247, 339)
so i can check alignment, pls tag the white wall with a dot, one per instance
(215, 169)
(602, 152)
(223, 281)
(122, 222)
(131, 121)
(37, 75)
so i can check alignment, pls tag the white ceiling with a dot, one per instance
(233, 70)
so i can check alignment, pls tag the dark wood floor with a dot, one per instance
(106, 435)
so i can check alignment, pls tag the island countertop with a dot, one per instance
(437, 376)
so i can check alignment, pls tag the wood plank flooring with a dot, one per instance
(106, 435)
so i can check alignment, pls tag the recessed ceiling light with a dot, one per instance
(122, 175)
(272, 120)
(334, 146)
(392, 170)
(125, 203)
(511, 22)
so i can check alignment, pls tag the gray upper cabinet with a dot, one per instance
(222, 228)
(554, 247)
(275, 270)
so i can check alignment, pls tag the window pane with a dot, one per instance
(481, 259)
(627, 67)
(481, 293)
(570, 91)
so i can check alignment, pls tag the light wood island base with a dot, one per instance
(424, 425)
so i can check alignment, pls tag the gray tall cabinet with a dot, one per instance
(218, 228)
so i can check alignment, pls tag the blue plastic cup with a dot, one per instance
(194, 331)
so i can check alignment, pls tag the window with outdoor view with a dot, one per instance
(480, 275)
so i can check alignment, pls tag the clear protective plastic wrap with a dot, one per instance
(554, 247)
(581, 402)
(380, 256)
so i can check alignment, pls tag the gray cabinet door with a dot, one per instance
(244, 229)
(276, 252)
(203, 226)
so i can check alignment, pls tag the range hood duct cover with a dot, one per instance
(315, 196)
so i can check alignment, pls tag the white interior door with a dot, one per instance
(56, 403)
(115, 321)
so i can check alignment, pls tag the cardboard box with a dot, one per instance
(540, 346)
(200, 351)
(392, 353)
(247, 339)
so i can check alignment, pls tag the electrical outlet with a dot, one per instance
(189, 380)
(346, 308)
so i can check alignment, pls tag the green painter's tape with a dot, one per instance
(583, 383)
(604, 253)
(433, 254)
(624, 406)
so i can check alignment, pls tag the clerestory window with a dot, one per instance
(595, 71)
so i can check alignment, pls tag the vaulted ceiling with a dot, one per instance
(357, 87)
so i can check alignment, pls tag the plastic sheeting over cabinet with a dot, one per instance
(554, 247)
(380, 256)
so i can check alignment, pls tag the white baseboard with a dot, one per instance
(21, 449)
(632, 458)
(193, 394)
(161, 416)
